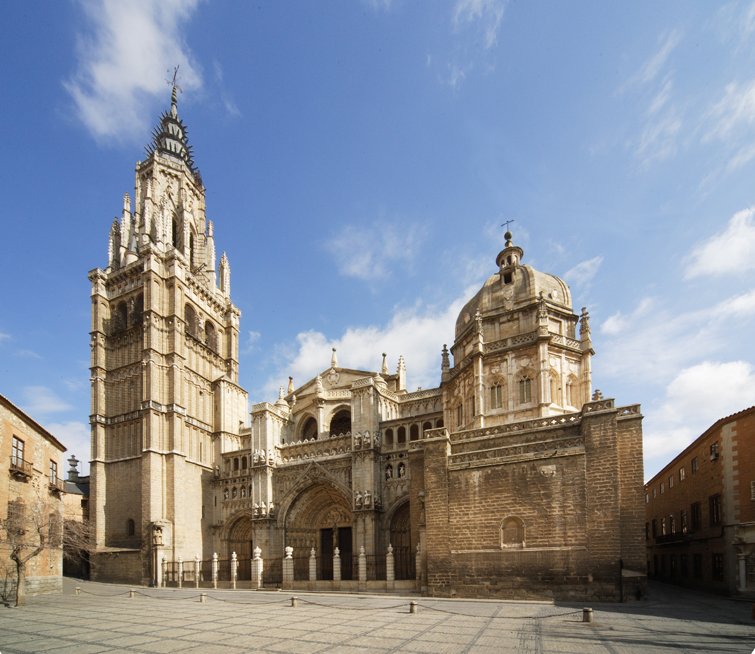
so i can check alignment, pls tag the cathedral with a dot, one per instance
(512, 478)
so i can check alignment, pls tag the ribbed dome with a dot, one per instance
(513, 287)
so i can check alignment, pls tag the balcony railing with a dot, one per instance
(20, 467)
(56, 485)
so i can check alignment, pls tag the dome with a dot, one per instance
(513, 287)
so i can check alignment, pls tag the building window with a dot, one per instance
(682, 474)
(697, 565)
(714, 507)
(459, 415)
(655, 491)
(53, 472)
(17, 452)
(654, 526)
(647, 498)
(717, 566)
(496, 396)
(683, 521)
(714, 451)
(671, 525)
(671, 481)
(693, 465)
(696, 515)
(525, 390)
(663, 526)
(663, 487)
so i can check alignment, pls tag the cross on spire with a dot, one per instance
(175, 88)
(506, 223)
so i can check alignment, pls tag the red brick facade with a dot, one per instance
(700, 510)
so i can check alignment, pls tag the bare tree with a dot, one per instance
(78, 546)
(30, 527)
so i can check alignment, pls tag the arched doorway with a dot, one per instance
(403, 555)
(320, 517)
(241, 541)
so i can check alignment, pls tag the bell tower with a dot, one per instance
(164, 364)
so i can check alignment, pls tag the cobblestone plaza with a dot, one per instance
(106, 618)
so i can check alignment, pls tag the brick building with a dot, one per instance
(700, 510)
(31, 498)
(510, 478)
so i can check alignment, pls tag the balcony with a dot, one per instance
(56, 485)
(19, 468)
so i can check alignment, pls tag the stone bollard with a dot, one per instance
(202, 598)
(312, 565)
(294, 601)
(288, 567)
(586, 615)
(165, 571)
(180, 571)
(390, 565)
(257, 568)
(336, 564)
(196, 571)
(234, 569)
(413, 606)
(78, 590)
(215, 570)
(131, 593)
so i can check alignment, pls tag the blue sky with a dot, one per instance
(359, 158)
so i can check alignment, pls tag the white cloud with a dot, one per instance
(736, 109)
(731, 252)
(4, 337)
(652, 68)
(584, 272)
(655, 341)
(617, 323)
(28, 354)
(230, 106)
(379, 5)
(694, 399)
(418, 333)
(371, 252)
(486, 15)
(75, 436)
(252, 338)
(40, 401)
(124, 56)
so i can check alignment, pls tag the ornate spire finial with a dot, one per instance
(384, 367)
(175, 88)
(507, 236)
(290, 385)
(334, 359)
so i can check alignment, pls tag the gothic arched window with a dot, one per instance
(130, 527)
(340, 423)
(496, 396)
(190, 318)
(309, 429)
(525, 389)
(121, 316)
(414, 433)
(210, 336)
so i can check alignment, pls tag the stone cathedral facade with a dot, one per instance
(511, 478)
